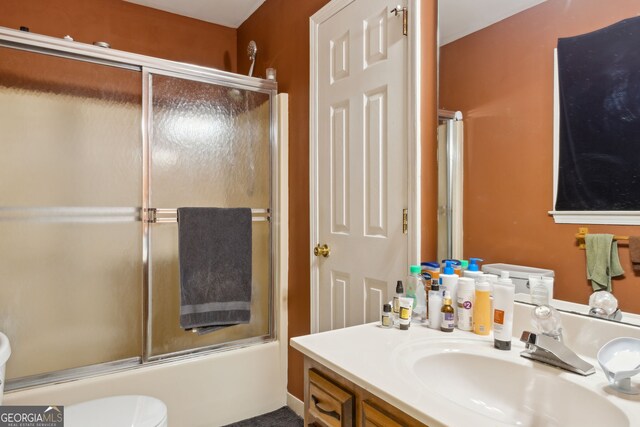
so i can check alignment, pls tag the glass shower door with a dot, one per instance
(209, 145)
(70, 231)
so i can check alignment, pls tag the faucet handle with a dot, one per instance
(546, 319)
(528, 337)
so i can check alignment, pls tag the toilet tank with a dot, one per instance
(5, 352)
(519, 274)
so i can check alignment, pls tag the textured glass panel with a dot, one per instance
(70, 294)
(210, 146)
(70, 132)
(70, 189)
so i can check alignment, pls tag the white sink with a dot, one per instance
(504, 387)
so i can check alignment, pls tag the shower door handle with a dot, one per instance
(323, 250)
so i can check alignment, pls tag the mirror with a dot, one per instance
(501, 77)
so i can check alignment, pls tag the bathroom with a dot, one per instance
(497, 225)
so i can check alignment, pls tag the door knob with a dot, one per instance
(321, 250)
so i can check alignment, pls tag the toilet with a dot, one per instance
(117, 411)
(5, 352)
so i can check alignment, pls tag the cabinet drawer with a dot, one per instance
(374, 417)
(329, 404)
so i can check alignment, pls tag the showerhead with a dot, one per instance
(252, 50)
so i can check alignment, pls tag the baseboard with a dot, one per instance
(295, 404)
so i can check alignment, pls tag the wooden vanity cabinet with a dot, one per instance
(333, 401)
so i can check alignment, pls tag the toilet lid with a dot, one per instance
(116, 411)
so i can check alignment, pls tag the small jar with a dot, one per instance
(387, 319)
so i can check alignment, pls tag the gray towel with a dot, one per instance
(215, 267)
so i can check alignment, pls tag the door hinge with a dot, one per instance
(405, 221)
(405, 17)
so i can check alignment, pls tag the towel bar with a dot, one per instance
(583, 231)
(165, 216)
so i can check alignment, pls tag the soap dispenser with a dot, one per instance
(474, 270)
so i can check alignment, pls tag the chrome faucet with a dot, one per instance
(547, 347)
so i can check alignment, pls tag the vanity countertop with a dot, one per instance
(372, 357)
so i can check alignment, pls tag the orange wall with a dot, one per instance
(280, 28)
(501, 78)
(281, 31)
(127, 26)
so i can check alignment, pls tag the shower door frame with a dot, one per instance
(52, 46)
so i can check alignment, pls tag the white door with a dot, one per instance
(361, 170)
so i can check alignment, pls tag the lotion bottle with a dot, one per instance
(503, 295)
(482, 309)
(465, 303)
(456, 264)
(449, 283)
(435, 305)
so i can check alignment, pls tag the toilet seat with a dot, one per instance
(117, 411)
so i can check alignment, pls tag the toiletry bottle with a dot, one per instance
(433, 268)
(406, 305)
(410, 288)
(412, 284)
(457, 269)
(446, 321)
(449, 283)
(474, 270)
(435, 305)
(464, 266)
(548, 283)
(420, 296)
(482, 309)
(396, 301)
(465, 303)
(386, 320)
(537, 290)
(421, 302)
(503, 295)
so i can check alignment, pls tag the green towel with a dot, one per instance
(602, 260)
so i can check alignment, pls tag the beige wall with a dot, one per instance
(501, 78)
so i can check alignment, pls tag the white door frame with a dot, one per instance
(413, 135)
